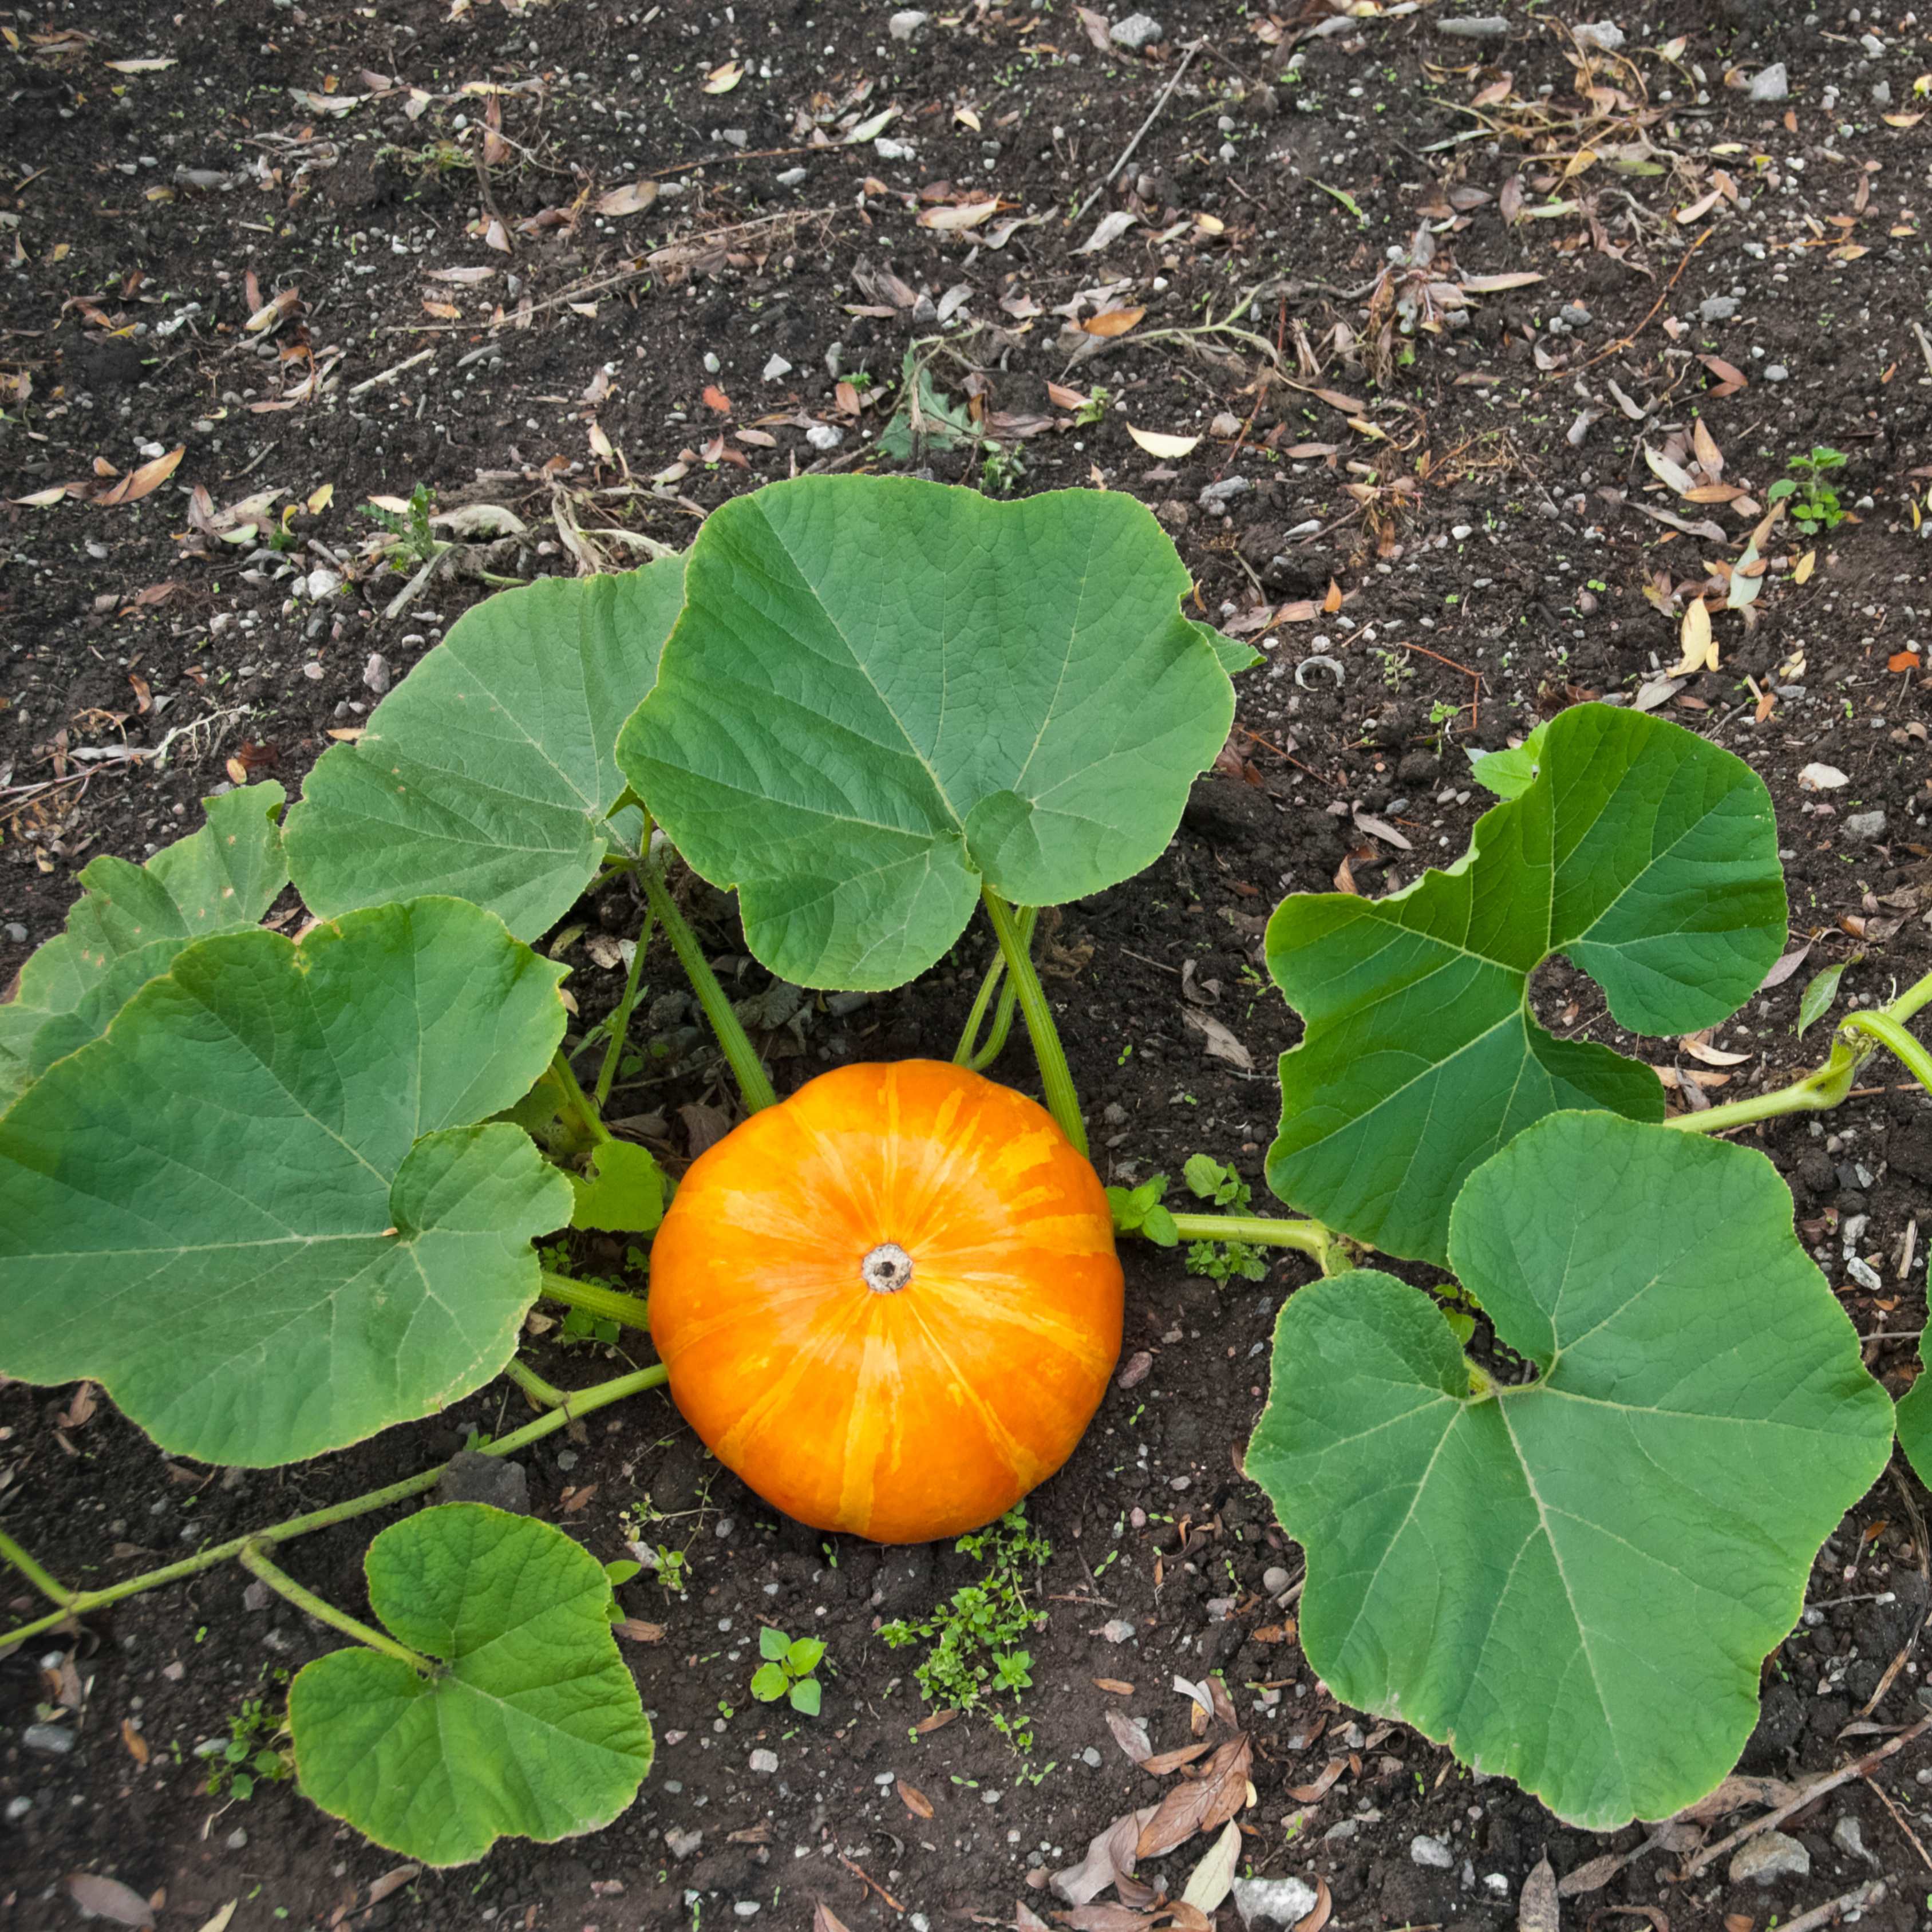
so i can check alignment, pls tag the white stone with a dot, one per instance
(1768, 1857)
(776, 367)
(822, 436)
(764, 1761)
(1772, 84)
(1273, 1901)
(1135, 32)
(1424, 1850)
(903, 26)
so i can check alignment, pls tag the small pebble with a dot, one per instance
(1276, 1580)
(1136, 31)
(1604, 34)
(17, 1808)
(238, 1838)
(16, 932)
(1117, 1630)
(1718, 308)
(1864, 826)
(791, 177)
(776, 367)
(49, 1740)
(1768, 1857)
(1776, 372)
(376, 672)
(822, 436)
(1475, 27)
(1772, 84)
(1424, 1850)
(903, 26)
(764, 1761)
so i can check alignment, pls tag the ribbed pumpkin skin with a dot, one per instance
(906, 1416)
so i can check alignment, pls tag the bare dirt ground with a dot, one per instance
(1493, 344)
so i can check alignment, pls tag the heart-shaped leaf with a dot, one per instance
(882, 692)
(258, 1211)
(131, 920)
(1647, 856)
(532, 1727)
(622, 1192)
(1915, 1420)
(488, 773)
(1574, 1580)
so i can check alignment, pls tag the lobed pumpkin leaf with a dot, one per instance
(260, 1209)
(1647, 856)
(1915, 1420)
(489, 772)
(882, 692)
(622, 1193)
(532, 1729)
(1574, 1581)
(130, 921)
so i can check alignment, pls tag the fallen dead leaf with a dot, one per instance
(914, 1800)
(1204, 1803)
(934, 1720)
(638, 1631)
(715, 398)
(1307, 1794)
(633, 199)
(1212, 1879)
(949, 221)
(1114, 1687)
(392, 1881)
(1700, 648)
(1537, 1908)
(1112, 322)
(1318, 1914)
(108, 1898)
(722, 80)
(219, 1923)
(1156, 443)
(143, 482)
(1490, 285)
(1222, 1045)
(1902, 661)
(1110, 228)
(136, 1744)
(1800, 571)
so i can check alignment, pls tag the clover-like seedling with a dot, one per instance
(1138, 1211)
(786, 1671)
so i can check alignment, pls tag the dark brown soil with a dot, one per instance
(1496, 567)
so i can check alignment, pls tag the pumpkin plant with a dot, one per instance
(1567, 1550)
(278, 1194)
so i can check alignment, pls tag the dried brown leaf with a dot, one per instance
(1537, 1909)
(914, 1800)
(108, 1898)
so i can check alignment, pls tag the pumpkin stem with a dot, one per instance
(887, 1269)
(1055, 1077)
(754, 1083)
(971, 1054)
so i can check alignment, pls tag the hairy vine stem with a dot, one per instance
(253, 1560)
(754, 1083)
(1860, 1034)
(79, 1603)
(612, 1303)
(1062, 1101)
(971, 1054)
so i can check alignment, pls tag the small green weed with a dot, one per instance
(976, 1655)
(786, 1671)
(415, 543)
(1138, 1210)
(1815, 504)
(1221, 1186)
(251, 1754)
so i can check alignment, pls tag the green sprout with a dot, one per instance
(787, 1670)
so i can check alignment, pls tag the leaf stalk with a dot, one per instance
(1056, 1077)
(612, 1303)
(79, 1603)
(754, 1083)
(253, 1560)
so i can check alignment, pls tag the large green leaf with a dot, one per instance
(882, 692)
(1573, 1581)
(488, 773)
(130, 921)
(1915, 1420)
(1647, 856)
(532, 1728)
(258, 1209)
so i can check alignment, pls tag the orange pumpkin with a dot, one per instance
(891, 1303)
